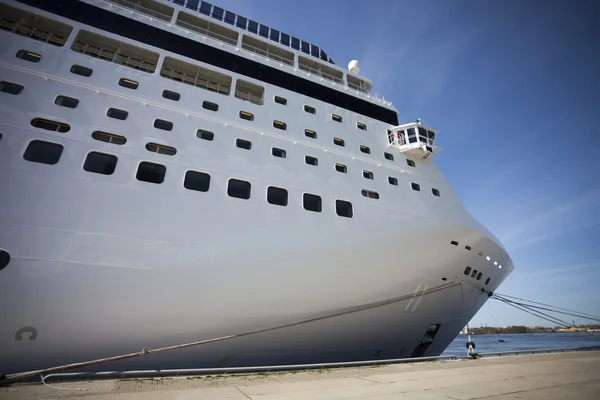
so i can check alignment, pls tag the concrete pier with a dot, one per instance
(573, 375)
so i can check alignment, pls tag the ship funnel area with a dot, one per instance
(415, 139)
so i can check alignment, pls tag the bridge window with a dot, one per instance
(343, 208)
(43, 152)
(100, 163)
(198, 181)
(151, 172)
(238, 189)
(312, 202)
(277, 196)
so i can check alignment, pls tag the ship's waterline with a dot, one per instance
(129, 226)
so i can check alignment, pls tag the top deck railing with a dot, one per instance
(267, 54)
(320, 73)
(206, 33)
(111, 56)
(142, 10)
(21, 29)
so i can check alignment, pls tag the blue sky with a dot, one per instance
(514, 88)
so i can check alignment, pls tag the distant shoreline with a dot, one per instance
(490, 330)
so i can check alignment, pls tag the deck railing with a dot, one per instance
(206, 33)
(195, 81)
(320, 73)
(140, 9)
(249, 97)
(267, 54)
(19, 28)
(111, 56)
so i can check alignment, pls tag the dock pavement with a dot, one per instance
(572, 375)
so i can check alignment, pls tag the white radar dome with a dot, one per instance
(354, 66)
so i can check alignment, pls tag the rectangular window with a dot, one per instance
(204, 134)
(336, 118)
(285, 39)
(43, 152)
(338, 142)
(11, 88)
(392, 180)
(365, 149)
(161, 149)
(388, 156)
(167, 94)
(100, 163)
(274, 36)
(241, 22)
(109, 138)
(65, 101)
(128, 83)
(370, 194)
(468, 248)
(247, 116)
(198, 181)
(229, 17)
(281, 100)
(253, 26)
(205, 8)
(410, 163)
(163, 124)
(311, 160)
(454, 243)
(263, 30)
(435, 192)
(280, 125)
(29, 56)
(368, 174)
(295, 43)
(341, 168)
(487, 281)
(151, 172)
(209, 105)
(474, 273)
(277, 196)
(238, 189)
(310, 110)
(309, 133)
(277, 152)
(467, 271)
(415, 186)
(479, 275)
(83, 71)
(50, 125)
(243, 144)
(117, 114)
(312, 202)
(343, 208)
(217, 13)
(361, 126)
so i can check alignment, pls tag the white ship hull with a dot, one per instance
(105, 265)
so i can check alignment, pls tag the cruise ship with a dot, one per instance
(172, 172)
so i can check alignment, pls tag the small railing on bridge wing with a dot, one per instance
(131, 5)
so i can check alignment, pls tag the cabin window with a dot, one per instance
(310, 133)
(487, 281)
(163, 124)
(65, 101)
(243, 144)
(336, 118)
(311, 160)
(50, 125)
(343, 208)
(83, 71)
(198, 181)
(11, 88)
(204, 134)
(310, 110)
(151, 172)
(435, 192)
(415, 186)
(312, 202)
(467, 271)
(341, 168)
(339, 142)
(392, 180)
(128, 83)
(109, 138)
(277, 152)
(388, 156)
(368, 174)
(479, 275)
(370, 194)
(247, 116)
(474, 273)
(43, 152)
(209, 105)
(280, 125)
(117, 114)
(454, 243)
(365, 149)
(410, 163)
(468, 248)
(161, 149)
(29, 56)
(167, 94)
(250, 92)
(100, 163)
(238, 189)
(281, 100)
(361, 126)
(277, 196)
